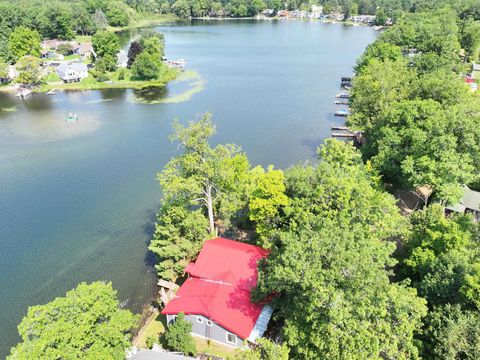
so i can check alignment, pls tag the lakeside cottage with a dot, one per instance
(215, 298)
(469, 204)
(72, 72)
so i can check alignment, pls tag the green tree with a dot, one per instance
(328, 264)
(85, 324)
(380, 51)
(181, 8)
(418, 143)
(178, 337)
(117, 15)
(213, 178)
(29, 70)
(470, 38)
(179, 236)
(23, 41)
(452, 333)
(100, 20)
(105, 64)
(105, 43)
(147, 66)
(266, 201)
(379, 85)
(380, 17)
(57, 21)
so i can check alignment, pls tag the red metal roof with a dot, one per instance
(219, 286)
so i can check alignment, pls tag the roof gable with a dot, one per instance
(220, 284)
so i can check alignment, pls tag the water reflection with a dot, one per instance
(151, 94)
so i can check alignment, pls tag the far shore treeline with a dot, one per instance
(350, 274)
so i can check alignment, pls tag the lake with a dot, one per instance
(78, 200)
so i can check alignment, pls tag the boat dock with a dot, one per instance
(342, 113)
(338, 127)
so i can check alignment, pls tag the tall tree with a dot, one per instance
(85, 324)
(201, 175)
(23, 41)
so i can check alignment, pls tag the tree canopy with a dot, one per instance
(85, 324)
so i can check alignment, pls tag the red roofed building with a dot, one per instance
(216, 296)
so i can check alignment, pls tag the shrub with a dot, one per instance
(178, 336)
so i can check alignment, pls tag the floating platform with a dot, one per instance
(342, 113)
(343, 96)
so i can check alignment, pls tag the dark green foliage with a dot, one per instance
(133, 51)
(179, 236)
(328, 263)
(178, 337)
(452, 333)
(147, 66)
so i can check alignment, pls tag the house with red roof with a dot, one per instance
(216, 295)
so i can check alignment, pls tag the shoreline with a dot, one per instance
(278, 18)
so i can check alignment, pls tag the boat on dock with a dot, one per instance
(343, 95)
(52, 92)
(342, 113)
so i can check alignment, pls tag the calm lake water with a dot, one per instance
(78, 200)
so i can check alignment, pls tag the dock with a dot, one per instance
(337, 127)
(344, 135)
(52, 92)
(342, 113)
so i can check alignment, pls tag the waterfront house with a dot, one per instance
(72, 71)
(85, 50)
(215, 298)
(468, 204)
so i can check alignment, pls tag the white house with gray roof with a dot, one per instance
(72, 71)
(469, 204)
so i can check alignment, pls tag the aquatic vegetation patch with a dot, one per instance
(195, 82)
(9, 109)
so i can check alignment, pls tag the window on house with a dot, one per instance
(199, 319)
(231, 338)
(209, 322)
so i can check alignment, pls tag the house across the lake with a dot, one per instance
(72, 71)
(216, 295)
(469, 204)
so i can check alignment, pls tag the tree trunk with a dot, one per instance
(210, 208)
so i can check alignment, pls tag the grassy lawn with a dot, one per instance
(83, 38)
(154, 328)
(90, 83)
(144, 20)
(71, 57)
(213, 348)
